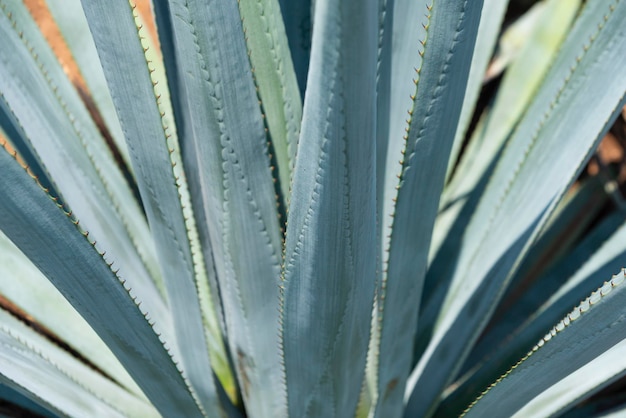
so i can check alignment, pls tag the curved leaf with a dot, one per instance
(59, 132)
(586, 334)
(518, 200)
(33, 221)
(26, 287)
(33, 364)
(592, 377)
(508, 340)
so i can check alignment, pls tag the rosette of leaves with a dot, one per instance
(281, 208)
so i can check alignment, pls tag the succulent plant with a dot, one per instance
(296, 208)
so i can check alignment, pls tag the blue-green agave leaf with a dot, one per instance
(383, 102)
(383, 94)
(586, 334)
(450, 32)
(275, 78)
(34, 221)
(330, 255)
(569, 221)
(515, 92)
(518, 87)
(150, 135)
(204, 271)
(540, 306)
(12, 130)
(594, 376)
(58, 132)
(404, 25)
(32, 363)
(71, 21)
(226, 155)
(574, 216)
(518, 199)
(29, 290)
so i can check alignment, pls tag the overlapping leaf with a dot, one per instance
(33, 221)
(411, 199)
(330, 255)
(518, 200)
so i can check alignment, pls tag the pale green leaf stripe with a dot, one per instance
(59, 379)
(512, 210)
(330, 256)
(61, 134)
(586, 334)
(369, 392)
(150, 141)
(70, 19)
(192, 123)
(225, 152)
(33, 221)
(447, 51)
(203, 269)
(195, 130)
(276, 80)
(25, 286)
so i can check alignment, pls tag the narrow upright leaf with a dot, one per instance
(151, 139)
(412, 198)
(330, 256)
(490, 21)
(227, 162)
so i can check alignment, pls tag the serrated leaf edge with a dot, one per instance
(115, 204)
(580, 309)
(135, 299)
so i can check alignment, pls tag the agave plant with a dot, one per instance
(296, 208)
